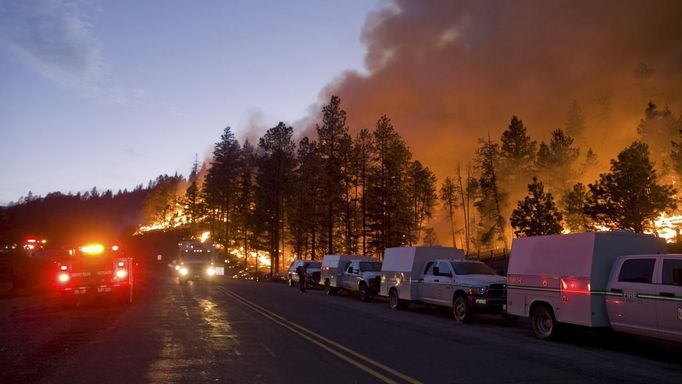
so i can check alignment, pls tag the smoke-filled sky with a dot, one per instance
(113, 95)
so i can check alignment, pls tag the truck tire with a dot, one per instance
(363, 292)
(395, 301)
(545, 326)
(460, 309)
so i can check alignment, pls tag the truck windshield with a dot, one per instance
(370, 266)
(469, 268)
(312, 265)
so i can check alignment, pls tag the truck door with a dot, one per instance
(669, 302)
(633, 307)
(428, 284)
(444, 285)
(349, 275)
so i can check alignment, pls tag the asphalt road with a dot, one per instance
(264, 332)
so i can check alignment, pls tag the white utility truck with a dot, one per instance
(441, 276)
(587, 279)
(351, 273)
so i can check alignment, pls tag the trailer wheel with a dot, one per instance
(461, 310)
(363, 292)
(544, 323)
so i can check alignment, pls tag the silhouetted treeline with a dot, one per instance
(65, 219)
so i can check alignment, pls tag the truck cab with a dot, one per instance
(466, 286)
(644, 296)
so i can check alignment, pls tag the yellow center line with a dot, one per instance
(300, 330)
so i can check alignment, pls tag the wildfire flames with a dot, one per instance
(668, 227)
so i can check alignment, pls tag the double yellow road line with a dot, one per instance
(366, 364)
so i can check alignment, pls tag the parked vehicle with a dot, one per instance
(352, 273)
(441, 276)
(198, 261)
(312, 272)
(588, 279)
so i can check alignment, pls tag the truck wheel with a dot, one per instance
(460, 309)
(544, 323)
(363, 292)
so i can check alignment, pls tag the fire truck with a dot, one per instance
(95, 270)
(197, 261)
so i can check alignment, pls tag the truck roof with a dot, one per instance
(412, 259)
(334, 261)
(585, 255)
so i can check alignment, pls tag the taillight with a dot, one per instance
(121, 273)
(63, 277)
(63, 267)
(121, 263)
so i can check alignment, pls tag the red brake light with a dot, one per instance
(63, 267)
(121, 263)
(121, 273)
(63, 277)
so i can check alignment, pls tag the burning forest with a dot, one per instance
(473, 122)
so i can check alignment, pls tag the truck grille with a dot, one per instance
(497, 290)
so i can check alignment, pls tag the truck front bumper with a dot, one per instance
(482, 304)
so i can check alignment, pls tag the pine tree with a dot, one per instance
(388, 207)
(536, 214)
(556, 161)
(246, 198)
(574, 209)
(448, 195)
(306, 206)
(364, 149)
(491, 199)
(629, 196)
(517, 153)
(273, 180)
(221, 187)
(658, 129)
(422, 195)
(334, 142)
(192, 200)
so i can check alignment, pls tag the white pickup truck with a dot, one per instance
(351, 273)
(441, 276)
(621, 280)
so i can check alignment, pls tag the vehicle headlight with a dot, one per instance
(183, 271)
(479, 291)
(210, 271)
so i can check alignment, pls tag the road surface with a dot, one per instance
(263, 332)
